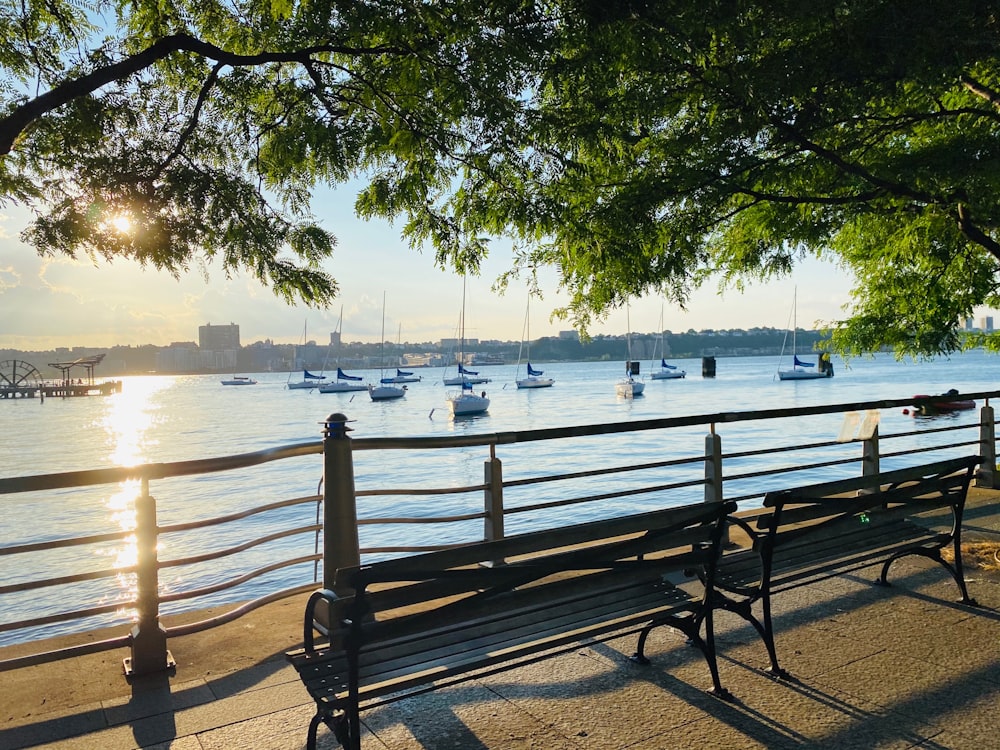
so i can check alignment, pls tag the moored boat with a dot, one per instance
(925, 405)
(384, 391)
(802, 370)
(466, 377)
(401, 376)
(467, 402)
(239, 380)
(666, 371)
(629, 386)
(309, 381)
(343, 384)
(533, 378)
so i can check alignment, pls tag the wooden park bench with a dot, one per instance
(819, 531)
(443, 617)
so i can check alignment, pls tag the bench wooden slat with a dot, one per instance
(550, 539)
(467, 575)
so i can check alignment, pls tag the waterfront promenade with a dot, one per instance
(904, 667)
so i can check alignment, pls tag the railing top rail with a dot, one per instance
(112, 475)
(552, 433)
(223, 463)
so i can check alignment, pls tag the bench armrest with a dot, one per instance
(309, 626)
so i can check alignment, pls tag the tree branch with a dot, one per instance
(12, 126)
(974, 233)
(981, 90)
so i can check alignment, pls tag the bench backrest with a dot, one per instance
(551, 563)
(862, 500)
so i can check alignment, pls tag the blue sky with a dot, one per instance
(45, 303)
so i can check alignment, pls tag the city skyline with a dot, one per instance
(58, 302)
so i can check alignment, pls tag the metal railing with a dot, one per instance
(325, 529)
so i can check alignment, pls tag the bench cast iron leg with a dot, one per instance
(955, 570)
(690, 627)
(313, 728)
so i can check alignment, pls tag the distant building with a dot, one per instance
(219, 346)
(423, 359)
(569, 335)
(180, 356)
(219, 338)
(451, 344)
(986, 324)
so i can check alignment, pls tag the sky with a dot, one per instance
(57, 302)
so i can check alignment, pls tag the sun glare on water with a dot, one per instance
(128, 424)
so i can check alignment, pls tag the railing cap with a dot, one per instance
(335, 425)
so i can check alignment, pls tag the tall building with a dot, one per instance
(986, 324)
(219, 338)
(219, 345)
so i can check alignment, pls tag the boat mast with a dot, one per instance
(461, 331)
(628, 341)
(795, 322)
(381, 346)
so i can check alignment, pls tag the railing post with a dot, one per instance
(987, 474)
(869, 453)
(713, 472)
(493, 498)
(713, 467)
(341, 548)
(148, 645)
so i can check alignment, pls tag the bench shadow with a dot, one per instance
(149, 710)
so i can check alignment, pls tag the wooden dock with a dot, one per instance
(20, 379)
(60, 390)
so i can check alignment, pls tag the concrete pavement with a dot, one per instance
(903, 667)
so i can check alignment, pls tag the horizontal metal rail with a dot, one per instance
(460, 508)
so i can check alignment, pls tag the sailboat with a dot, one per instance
(401, 376)
(309, 380)
(533, 378)
(800, 368)
(384, 391)
(629, 387)
(466, 401)
(465, 376)
(666, 371)
(344, 383)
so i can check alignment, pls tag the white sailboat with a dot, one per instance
(533, 378)
(309, 380)
(801, 369)
(629, 387)
(666, 371)
(401, 376)
(466, 402)
(344, 383)
(384, 391)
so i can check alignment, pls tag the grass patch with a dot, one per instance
(979, 555)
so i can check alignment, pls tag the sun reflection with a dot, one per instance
(130, 418)
(128, 425)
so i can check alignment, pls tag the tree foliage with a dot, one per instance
(635, 146)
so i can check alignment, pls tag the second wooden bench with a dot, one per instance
(811, 533)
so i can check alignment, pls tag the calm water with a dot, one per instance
(163, 418)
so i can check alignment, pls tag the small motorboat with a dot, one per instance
(925, 405)
(239, 380)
